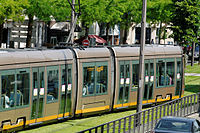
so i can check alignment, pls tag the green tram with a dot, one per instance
(38, 86)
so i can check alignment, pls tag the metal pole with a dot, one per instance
(141, 61)
(72, 21)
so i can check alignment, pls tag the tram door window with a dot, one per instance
(149, 80)
(23, 89)
(124, 82)
(38, 93)
(135, 79)
(52, 83)
(178, 77)
(66, 88)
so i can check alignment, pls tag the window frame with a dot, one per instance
(165, 61)
(95, 65)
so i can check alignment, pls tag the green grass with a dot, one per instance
(192, 69)
(192, 85)
(71, 126)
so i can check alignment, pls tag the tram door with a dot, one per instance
(38, 93)
(124, 82)
(148, 80)
(66, 87)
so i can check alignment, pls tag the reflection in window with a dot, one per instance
(165, 73)
(22, 97)
(94, 80)
(135, 76)
(160, 75)
(101, 85)
(170, 73)
(88, 80)
(8, 91)
(52, 88)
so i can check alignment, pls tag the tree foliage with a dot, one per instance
(159, 11)
(12, 9)
(186, 21)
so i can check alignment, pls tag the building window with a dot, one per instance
(53, 40)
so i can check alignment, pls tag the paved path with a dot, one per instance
(196, 116)
(192, 74)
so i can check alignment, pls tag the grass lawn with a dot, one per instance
(71, 126)
(192, 85)
(194, 69)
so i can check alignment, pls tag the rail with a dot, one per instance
(179, 107)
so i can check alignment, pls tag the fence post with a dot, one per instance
(119, 128)
(198, 103)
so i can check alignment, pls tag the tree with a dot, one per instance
(11, 9)
(186, 23)
(133, 14)
(159, 12)
(41, 9)
(109, 12)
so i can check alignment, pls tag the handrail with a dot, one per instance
(178, 107)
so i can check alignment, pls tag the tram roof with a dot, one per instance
(148, 50)
(93, 52)
(9, 56)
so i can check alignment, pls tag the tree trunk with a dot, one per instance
(101, 26)
(30, 29)
(126, 29)
(199, 55)
(193, 49)
(107, 29)
(125, 35)
(160, 32)
(86, 31)
(1, 34)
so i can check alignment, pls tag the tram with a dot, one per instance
(38, 86)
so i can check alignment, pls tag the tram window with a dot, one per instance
(170, 73)
(88, 80)
(23, 88)
(8, 91)
(160, 75)
(94, 79)
(135, 77)
(69, 80)
(52, 87)
(101, 85)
